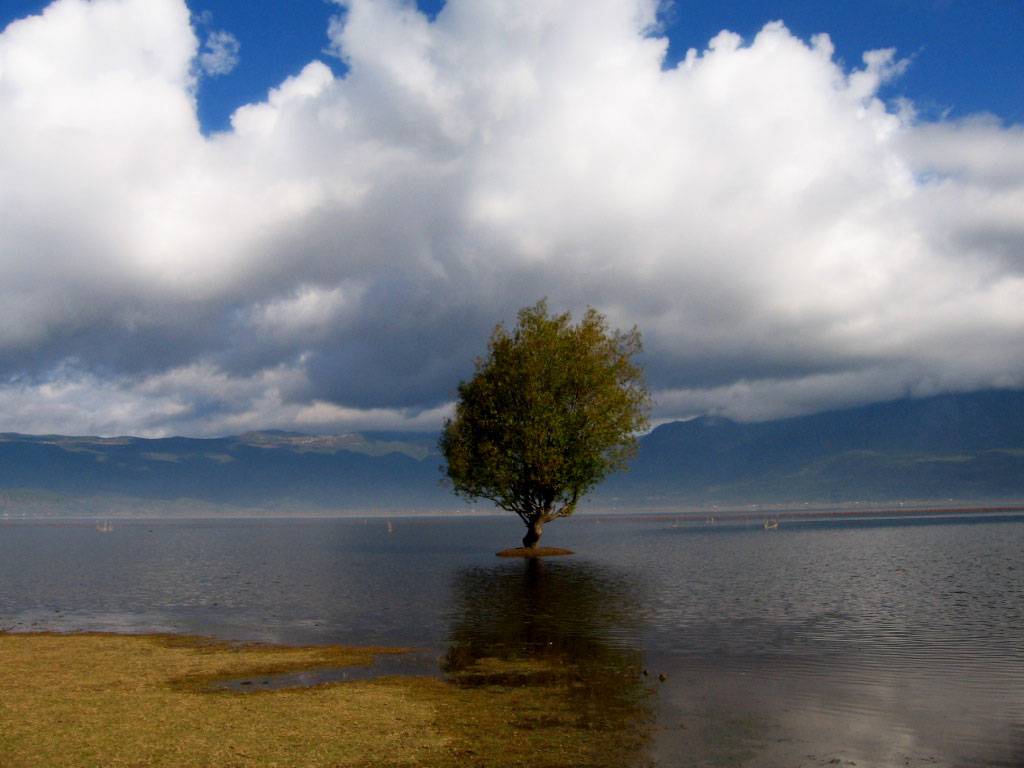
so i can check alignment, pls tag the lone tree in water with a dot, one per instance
(552, 410)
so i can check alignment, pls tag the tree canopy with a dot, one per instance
(553, 409)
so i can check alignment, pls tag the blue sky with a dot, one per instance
(966, 56)
(222, 216)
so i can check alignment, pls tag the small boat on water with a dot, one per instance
(105, 527)
(771, 525)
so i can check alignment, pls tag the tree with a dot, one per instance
(552, 410)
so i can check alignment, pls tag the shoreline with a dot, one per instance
(604, 514)
(86, 700)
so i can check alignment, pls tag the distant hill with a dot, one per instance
(969, 448)
(259, 472)
(966, 447)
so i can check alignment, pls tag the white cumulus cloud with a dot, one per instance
(785, 241)
(220, 53)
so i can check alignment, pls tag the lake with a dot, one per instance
(872, 640)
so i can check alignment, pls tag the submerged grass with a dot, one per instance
(91, 700)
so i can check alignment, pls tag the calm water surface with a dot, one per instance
(870, 641)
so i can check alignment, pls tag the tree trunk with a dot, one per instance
(533, 531)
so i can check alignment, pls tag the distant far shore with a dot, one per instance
(719, 513)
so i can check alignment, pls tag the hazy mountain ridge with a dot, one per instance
(961, 447)
(254, 472)
(950, 446)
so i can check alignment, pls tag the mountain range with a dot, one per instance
(963, 448)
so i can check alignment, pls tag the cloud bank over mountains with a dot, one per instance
(785, 241)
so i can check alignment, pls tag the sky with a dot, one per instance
(308, 215)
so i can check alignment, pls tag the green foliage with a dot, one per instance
(550, 412)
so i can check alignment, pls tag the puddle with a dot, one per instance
(418, 664)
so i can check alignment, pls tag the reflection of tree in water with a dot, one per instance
(568, 628)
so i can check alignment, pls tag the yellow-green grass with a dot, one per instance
(150, 700)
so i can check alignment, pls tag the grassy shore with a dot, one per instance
(151, 700)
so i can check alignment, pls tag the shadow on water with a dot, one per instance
(570, 627)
